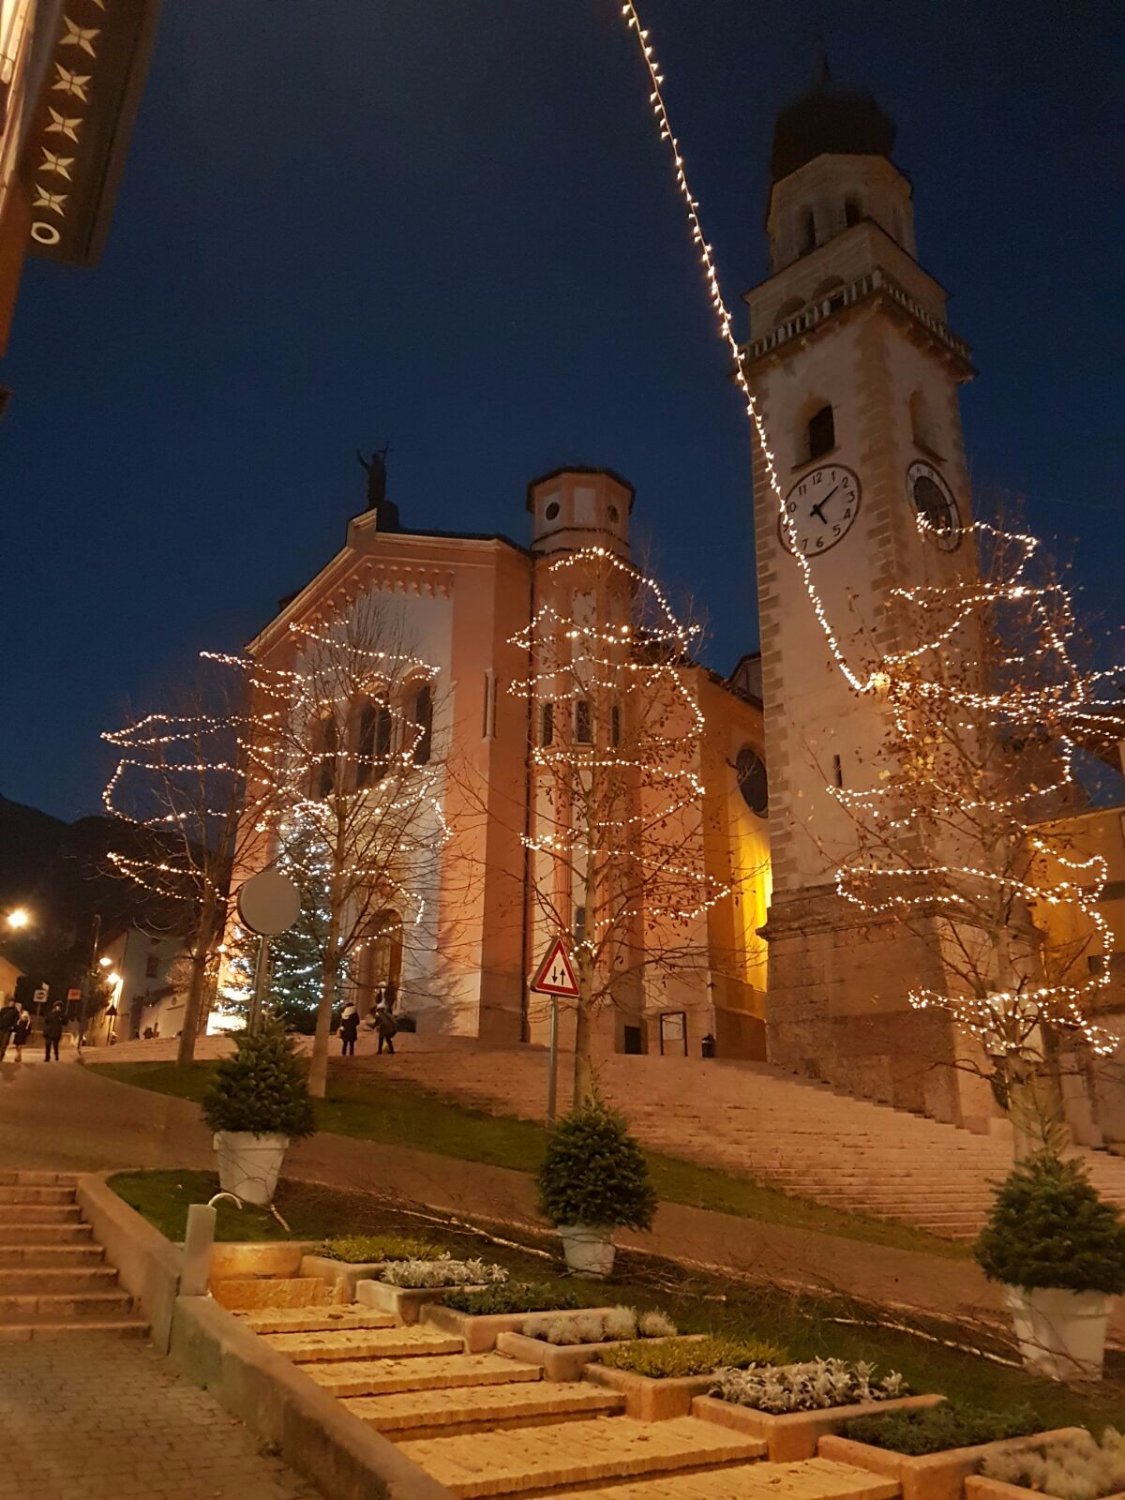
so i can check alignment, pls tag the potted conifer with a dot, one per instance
(593, 1180)
(257, 1102)
(1059, 1249)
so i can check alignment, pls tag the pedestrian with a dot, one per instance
(380, 999)
(9, 1015)
(22, 1032)
(54, 1023)
(349, 1030)
(390, 997)
(386, 1026)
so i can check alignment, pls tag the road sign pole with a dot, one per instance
(261, 969)
(553, 1064)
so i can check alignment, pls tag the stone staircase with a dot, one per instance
(487, 1425)
(53, 1276)
(752, 1120)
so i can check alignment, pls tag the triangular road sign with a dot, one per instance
(555, 976)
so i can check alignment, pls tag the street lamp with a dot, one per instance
(18, 918)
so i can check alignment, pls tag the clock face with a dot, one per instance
(929, 493)
(820, 510)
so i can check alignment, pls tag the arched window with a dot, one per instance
(326, 746)
(547, 724)
(583, 724)
(821, 433)
(853, 211)
(787, 310)
(615, 724)
(808, 232)
(373, 743)
(424, 720)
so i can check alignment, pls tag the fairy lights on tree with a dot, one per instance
(352, 787)
(617, 831)
(984, 706)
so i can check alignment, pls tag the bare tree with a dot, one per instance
(616, 829)
(181, 781)
(986, 702)
(352, 785)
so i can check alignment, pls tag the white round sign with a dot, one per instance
(268, 903)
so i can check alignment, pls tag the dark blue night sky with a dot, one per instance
(450, 223)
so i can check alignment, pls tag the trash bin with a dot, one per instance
(707, 1046)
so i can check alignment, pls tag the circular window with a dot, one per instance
(751, 773)
(612, 514)
(552, 510)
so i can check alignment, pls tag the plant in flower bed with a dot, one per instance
(515, 1297)
(806, 1387)
(669, 1359)
(618, 1324)
(1073, 1468)
(355, 1249)
(442, 1272)
(935, 1428)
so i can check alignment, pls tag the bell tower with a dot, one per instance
(856, 373)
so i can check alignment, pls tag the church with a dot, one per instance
(856, 373)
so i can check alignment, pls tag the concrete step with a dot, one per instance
(389, 1377)
(814, 1479)
(321, 1318)
(389, 1343)
(44, 1234)
(35, 1280)
(48, 1256)
(14, 1214)
(20, 1193)
(246, 1294)
(63, 1307)
(539, 1459)
(38, 1179)
(133, 1325)
(482, 1408)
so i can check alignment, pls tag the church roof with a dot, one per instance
(828, 119)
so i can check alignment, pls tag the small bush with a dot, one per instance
(595, 1173)
(1048, 1227)
(514, 1297)
(442, 1272)
(1075, 1468)
(933, 1429)
(806, 1387)
(357, 1248)
(618, 1324)
(656, 1325)
(668, 1358)
(262, 1088)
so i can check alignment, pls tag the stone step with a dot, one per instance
(19, 1193)
(49, 1257)
(535, 1459)
(69, 1280)
(38, 1179)
(322, 1318)
(133, 1325)
(389, 1343)
(13, 1214)
(63, 1307)
(43, 1234)
(389, 1377)
(814, 1479)
(245, 1294)
(482, 1408)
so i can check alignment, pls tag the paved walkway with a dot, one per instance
(109, 1419)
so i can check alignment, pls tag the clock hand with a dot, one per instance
(818, 508)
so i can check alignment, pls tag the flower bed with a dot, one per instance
(404, 1287)
(660, 1378)
(599, 1326)
(1073, 1468)
(479, 1317)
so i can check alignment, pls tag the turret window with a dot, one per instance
(821, 433)
(583, 724)
(808, 232)
(853, 211)
(424, 723)
(547, 725)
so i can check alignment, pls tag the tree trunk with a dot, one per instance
(193, 1010)
(583, 1068)
(318, 1067)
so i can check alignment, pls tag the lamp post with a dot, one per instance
(18, 918)
(88, 979)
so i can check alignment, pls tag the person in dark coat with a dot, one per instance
(22, 1032)
(390, 998)
(386, 1026)
(349, 1030)
(54, 1024)
(9, 1018)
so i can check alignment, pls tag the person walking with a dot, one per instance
(349, 1030)
(22, 1032)
(9, 1016)
(386, 1026)
(54, 1024)
(390, 997)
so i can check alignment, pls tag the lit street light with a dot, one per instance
(19, 917)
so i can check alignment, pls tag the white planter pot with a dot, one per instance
(249, 1164)
(588, 1248)
(1061, 1334)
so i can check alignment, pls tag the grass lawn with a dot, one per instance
(804, 1326)
(403, 1114)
